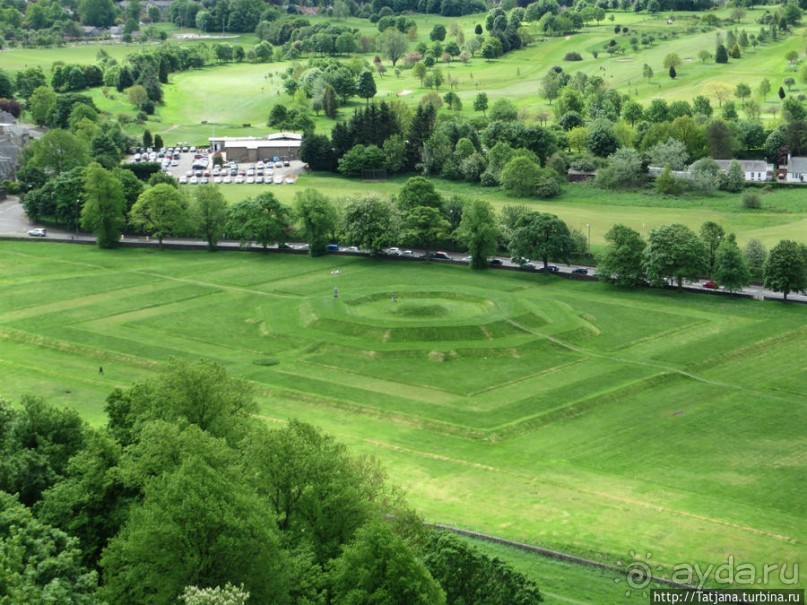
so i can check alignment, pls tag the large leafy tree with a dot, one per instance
(261, 219)
(730, 269)
(318, 217)
(39, 563)
(91, 501)
(100, 13)
(104, 206)
(56, 152)
(371, 223)
(318, 493)
(469, 576)
(198, 525)
(711, 234)
(621, 261)
(199, 393)
(519, 176)
(160, 211)
(378, 567)
(208, 214)
(478, 232)
(393, 44)
(675, 252)
(418, 191)
(423, 226)
(36, 443)
(785, 270)
(542, 236)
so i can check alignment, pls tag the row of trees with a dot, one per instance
(106, 202)
(185, 496)
(675, 252)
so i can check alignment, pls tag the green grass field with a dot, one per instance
(552, 412)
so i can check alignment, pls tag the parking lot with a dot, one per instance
(192, 166)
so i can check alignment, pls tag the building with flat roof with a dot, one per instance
(282, 145)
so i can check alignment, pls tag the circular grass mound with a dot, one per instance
(415, 309)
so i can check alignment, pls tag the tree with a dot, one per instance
(674, 252)
(789, 82)
(470, 576)
(378, 567)
(782, 94)
(730, 270)
(100, 13)
(197, 525)
(735, 177)
(438, 32)
(160, 211)
(624, 169)
(261, 219)
(720, 139)
(672, 60)
(742, 92)
(208, 214)
(755, 256)
(647, 72)
(41, 104)
(319, 219)
(27, 81)
(519, 176)
(481, 102)
(704, 55)
(711, 235)
(422, 226)
(40, 563)
(478, 232)
(104, 206)
(601, 139)
(785, 270)
(541, 236)
(393, 44)
(57, 151)
(366, 87)
(621, 261)
(418, 191)
(550, 87)
(671, 152)
(371, 223)
(37, 442)
(721, 54)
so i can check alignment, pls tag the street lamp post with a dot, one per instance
(589, 237)
(78, 201)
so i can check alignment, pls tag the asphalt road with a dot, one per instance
(13, 222)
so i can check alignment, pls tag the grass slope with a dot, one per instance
(552, 412)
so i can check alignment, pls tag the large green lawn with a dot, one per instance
(548, 411)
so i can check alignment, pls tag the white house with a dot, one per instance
(755, 170)
(796, 170)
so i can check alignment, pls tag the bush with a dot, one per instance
(573, 56)
(751, 200)
(488, 179)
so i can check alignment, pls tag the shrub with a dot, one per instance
(573, 56)
(751, 200)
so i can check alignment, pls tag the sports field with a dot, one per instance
(548, 411)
